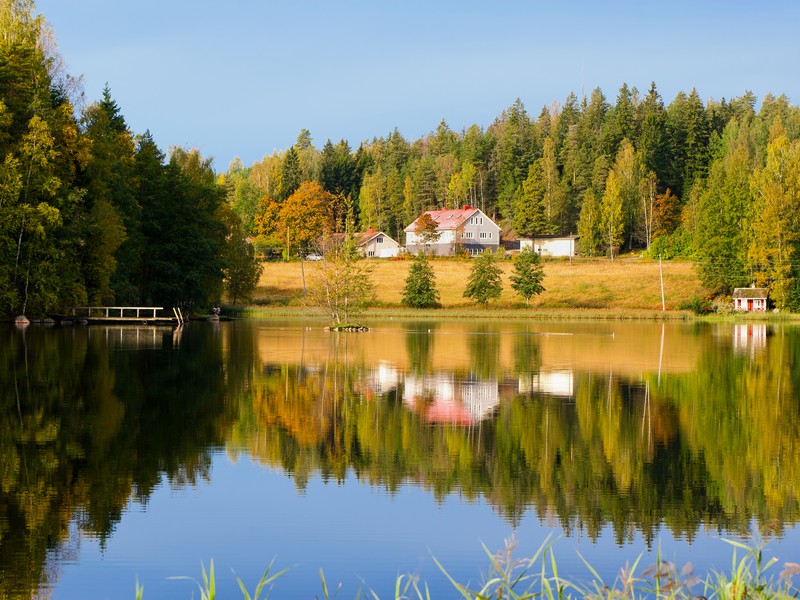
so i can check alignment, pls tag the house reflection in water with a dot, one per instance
(551, 383)
(444, 398)
(748, 336)
(382, 379)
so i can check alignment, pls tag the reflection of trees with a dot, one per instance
(700, 448)
(484, 352)
(83, 430)
(419, 346)
(527, 354)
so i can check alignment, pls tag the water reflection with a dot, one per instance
(635, 426)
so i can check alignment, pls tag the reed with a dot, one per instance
(538, 577)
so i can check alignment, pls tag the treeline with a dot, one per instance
(714, 181)
(89, 212)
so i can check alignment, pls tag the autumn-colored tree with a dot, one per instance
(427, 230)
(304, 217)
(667, 213)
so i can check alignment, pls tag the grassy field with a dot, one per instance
(630, 284)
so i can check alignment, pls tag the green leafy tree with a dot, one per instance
(527, 274)
(721, 211)
(612, 213)
(242, 271)
(590, 225)
(341, 287)
(420, 290)
(485, 282)
(776, 223)
(372, 199)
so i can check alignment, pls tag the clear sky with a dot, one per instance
(243, 77)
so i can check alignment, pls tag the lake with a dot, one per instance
(141, 453)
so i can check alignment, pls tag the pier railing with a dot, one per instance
(143, 313)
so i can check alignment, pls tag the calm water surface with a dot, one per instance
(141, 453)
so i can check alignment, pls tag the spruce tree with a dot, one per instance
(484, 282)
(420, 290)
(528, 273)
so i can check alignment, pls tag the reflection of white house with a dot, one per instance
(552, 245)
(377, 244)
(480, 398)
(552, 383)
(468, 228)
(440, 398)
(749, 336)
(385, 378)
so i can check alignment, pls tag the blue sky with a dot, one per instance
(243, 77)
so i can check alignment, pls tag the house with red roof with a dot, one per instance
(466, 228)
(376, 244)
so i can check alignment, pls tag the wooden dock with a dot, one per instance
(121, 315)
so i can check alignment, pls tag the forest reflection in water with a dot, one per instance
(632, 426)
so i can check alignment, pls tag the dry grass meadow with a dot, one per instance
(629, 284)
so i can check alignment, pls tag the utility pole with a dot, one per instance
(661, 276)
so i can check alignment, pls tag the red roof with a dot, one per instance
(447, 218)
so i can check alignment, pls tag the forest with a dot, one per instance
(717, 182)
(93, 213)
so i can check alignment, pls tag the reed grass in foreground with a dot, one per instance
(538, 577)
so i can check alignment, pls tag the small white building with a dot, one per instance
(377, 244)
(750, 299)
(552, 245)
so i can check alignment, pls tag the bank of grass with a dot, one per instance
(629, 287)
(750, 576)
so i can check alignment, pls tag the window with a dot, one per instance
(371, 253)
(379, 239)
(486, 235)
(468, 234)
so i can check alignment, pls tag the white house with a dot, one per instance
(552, 245)
(377, 244)
(465, 228)
(750, 299)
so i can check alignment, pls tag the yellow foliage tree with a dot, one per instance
(304, 217)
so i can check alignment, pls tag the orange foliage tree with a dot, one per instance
(304, 217)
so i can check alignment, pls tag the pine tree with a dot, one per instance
(529, 209)
(420, 290)
(527, 275)
(291, 174)
(484, 282)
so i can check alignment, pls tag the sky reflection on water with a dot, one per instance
(367, 455)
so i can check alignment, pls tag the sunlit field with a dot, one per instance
(629, 283)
